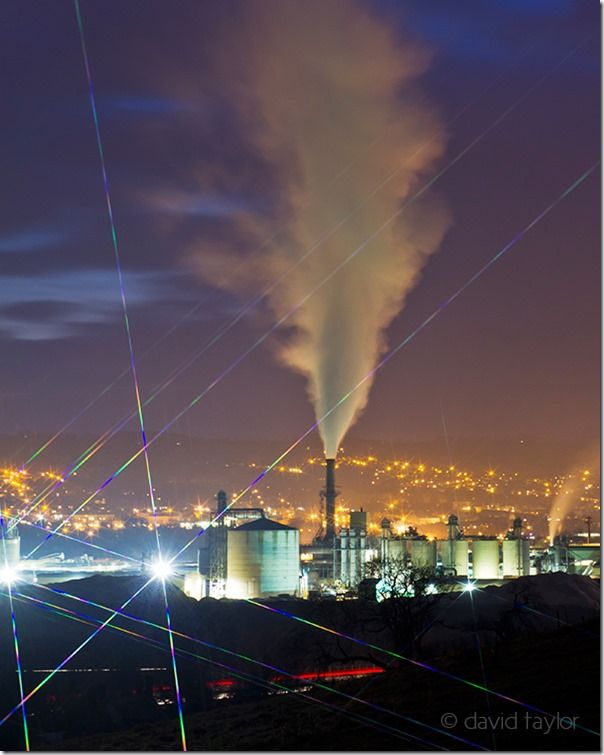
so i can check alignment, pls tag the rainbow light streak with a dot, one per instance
(97, 445)
(245, 676)
(108, 434)
(438, 616)
(368, 376)
(281, 672)
(384, 361)
(419, 664)
(483, 670)
(19, 668)
(135, 380)
(181, 723)
(252, 303)
(380, 364)
(86, 543)
(107, 388)
(524, 607)
(358, 250)
(66, 660)
(402, 344)
(16, 644)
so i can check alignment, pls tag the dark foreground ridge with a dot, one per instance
(535, 640)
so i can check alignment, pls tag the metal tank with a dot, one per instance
(485, 558)
(516, 558)
(263, 560)
(422, 553)
(10, 544)
(454, 556)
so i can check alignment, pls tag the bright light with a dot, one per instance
(161, 569)
(469, 587)
(8, 575)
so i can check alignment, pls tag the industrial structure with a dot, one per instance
(10, 543)
(453, 552)
(353, 549)
(244, 554)
(328, 496)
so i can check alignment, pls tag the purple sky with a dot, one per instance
(516, 355)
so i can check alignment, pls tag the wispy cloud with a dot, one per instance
(31, 240)
(203, 205)
(59, 305)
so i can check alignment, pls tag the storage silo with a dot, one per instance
(10, 544)
(516, 558)
(263, 560)
(454, 556)
(485, 558)
(422, 553)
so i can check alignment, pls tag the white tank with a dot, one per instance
(10, 551)
(516, 558)
(394, 549)
(454, 556)
(195, 585)
(485, 559)
(263, 560)
(423, 553)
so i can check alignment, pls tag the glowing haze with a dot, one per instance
(329, 101)
(569, 497)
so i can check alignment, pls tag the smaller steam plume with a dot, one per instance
(577, 478)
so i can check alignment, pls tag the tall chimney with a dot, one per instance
(330, 499)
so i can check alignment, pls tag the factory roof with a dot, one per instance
(262, 523)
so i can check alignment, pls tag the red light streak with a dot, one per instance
(338, 674)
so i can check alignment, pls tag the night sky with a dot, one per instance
(517, 355)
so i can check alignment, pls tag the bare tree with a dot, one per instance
(406, 596)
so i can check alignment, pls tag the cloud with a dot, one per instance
(202, 205)
(31, 240)
(60, 305)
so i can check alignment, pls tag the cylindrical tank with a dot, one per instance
(394, 550)
(422, 553)
(516, 558)
(454, 556)
(263, 559)
(10, 550)
(485, 559)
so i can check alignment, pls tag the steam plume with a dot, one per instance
(328, 99)
(572, 490)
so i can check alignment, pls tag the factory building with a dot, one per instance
(567, 555)
(243, 554)
(353, 550)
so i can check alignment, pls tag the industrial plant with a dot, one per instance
(244, 554)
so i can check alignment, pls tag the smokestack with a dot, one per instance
(222, 501)
(330, 499)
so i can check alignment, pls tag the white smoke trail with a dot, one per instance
(583, 474)
(315, 83)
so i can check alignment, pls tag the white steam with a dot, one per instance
(328, 99)
(579, 481)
